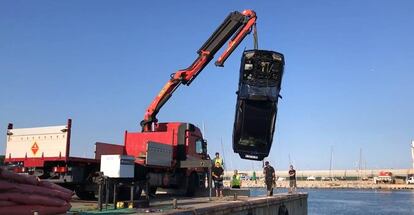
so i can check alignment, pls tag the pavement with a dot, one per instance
(163, 204)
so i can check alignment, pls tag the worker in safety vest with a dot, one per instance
(235, 180)
(218, 159)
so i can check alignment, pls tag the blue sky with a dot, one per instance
(348, 80)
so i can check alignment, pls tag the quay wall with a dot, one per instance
(275, 205)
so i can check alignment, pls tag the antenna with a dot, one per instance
(204, 129)
(222, 150)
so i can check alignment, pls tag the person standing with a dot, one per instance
(217, 158)
(254, 178)
(270, 178)
(217, 172)
(292, 179)
(235, 180)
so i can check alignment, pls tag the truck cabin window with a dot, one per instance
(199, 146)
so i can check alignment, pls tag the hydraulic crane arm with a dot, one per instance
(237, 24)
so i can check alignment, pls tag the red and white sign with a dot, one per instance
(35, 148)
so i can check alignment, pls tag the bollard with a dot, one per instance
(235, 197)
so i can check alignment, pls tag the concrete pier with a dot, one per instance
(275, 205)
(293, 204)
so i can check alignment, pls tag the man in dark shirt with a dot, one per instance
(217, 172)
(292, 179)
(270, 178)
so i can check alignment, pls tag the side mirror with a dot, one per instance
(204, 146)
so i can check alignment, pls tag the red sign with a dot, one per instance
(35, 148)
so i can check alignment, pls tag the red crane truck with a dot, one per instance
(168, 155)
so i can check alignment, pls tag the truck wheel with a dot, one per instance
(85, 195)
(191, 185)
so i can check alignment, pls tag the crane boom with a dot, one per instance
(237, 24)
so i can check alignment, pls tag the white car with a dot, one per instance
(410, 180)
(244, 177)
(311, 178)
(281, 179)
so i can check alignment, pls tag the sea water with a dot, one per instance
(354, 201)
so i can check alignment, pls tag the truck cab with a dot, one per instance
(173, 153)
(179, 141)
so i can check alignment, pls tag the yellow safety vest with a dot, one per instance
(218, 160)
(235, 181)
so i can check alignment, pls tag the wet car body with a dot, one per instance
(260, 81)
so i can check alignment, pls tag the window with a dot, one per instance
(199, 146)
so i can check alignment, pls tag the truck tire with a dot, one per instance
(191, 185)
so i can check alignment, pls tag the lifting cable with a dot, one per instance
(255, 38)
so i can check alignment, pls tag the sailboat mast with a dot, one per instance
(330, 163)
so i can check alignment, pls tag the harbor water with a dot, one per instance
(354, 201)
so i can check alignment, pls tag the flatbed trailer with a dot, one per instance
(45, 153)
